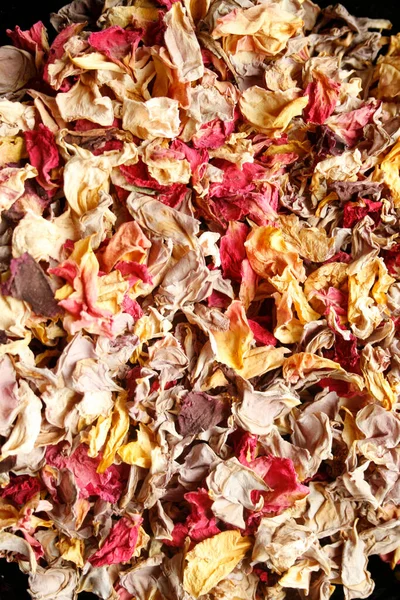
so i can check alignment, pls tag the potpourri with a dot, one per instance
(200, 271)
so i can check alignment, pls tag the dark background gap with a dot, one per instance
(25, 14)
(12, 582)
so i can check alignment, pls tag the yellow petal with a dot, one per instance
(72, 549)
(44, 239)
(9, 515)
(182, 44)
(288, 283)
(396, 558)
(236, 149)
(212, 560)
(217, 379)
(269, 254)
(81, 509)
(86, 175)
(300, 148)
(311, 243)
(98, 434)
(164, 166)
(36, 522)
(330, 275)
(230, 346)
(157, 117)
(288, 329)
(350, 433)
(48, 334)
(387, 73)
(64, 292)
(298, 575)
(388, 172)
(197, 9)
(261, 360)
(367, 288)
(263, 29)
(12, 149)
(112, 288)
(143, 13)
(301, 364)
(95, 61)
(139, 452)
(119, 429)
(271, 112)
(383, 283)
(375, 380)
(85, 102)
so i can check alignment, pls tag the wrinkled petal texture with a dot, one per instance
(200, 300)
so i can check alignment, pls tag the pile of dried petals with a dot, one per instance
(200, 300)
